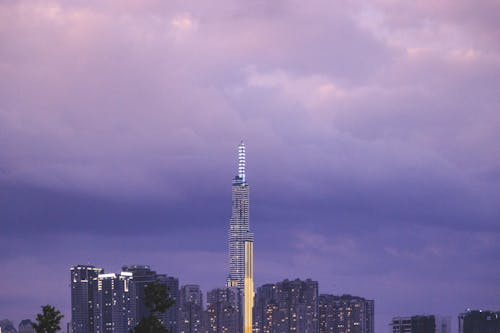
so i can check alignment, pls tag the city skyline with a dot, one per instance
(372, 129)
(114, 301)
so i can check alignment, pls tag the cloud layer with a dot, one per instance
(372, 133)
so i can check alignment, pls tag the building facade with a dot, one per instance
(414, 324)
(223, 310)
(265, 310)
(106, 303)
(241, 241)
(287, 306)
(443, 324)
(190, 309)
(400, 325)
(170, 318)
(346, 314)
(84, 298)
(479, 321)
(25, 326)
(114, 306)
(144, 275)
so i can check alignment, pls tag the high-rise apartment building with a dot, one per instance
(479, 321)
(114, 303)
(25, 326)
(223, 310)
(191, 294)
(190, 309)
(142, 275)
(241, 241)
(345, 314)
(84, 298)
(170, 318)
(400, 325)
(287, 306)
(114, 294)
(414, 324)
(265, 310)
(443, 324)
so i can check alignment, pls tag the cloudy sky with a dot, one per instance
(372, 132)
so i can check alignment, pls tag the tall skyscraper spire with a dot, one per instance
(241, 241)
(241, 161)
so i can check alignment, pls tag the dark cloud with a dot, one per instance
(372, 134)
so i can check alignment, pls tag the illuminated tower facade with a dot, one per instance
(84, 311)
(346, 314)
(241, 242)
(114, 303)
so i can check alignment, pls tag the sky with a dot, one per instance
(372, 131)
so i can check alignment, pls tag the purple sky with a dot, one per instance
(372, 132)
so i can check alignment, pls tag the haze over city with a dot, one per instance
(372, 131)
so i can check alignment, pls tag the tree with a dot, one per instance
(156, 297)
(157, 300)
(150, 324)
(48, 321)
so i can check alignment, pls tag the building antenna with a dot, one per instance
(241, 161)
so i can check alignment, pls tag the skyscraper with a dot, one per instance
(84, 298)
(191, 309)
(114, 303)
(414, 324)
(223, 313)
(241, 241)
(170, 318)
(265, 310)
(142, 276)
(479, 321)
(345, 314)
(400, 325)
(286, 307)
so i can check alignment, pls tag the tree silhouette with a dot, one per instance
(48, 321)
(157, 300)
(150, 324)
